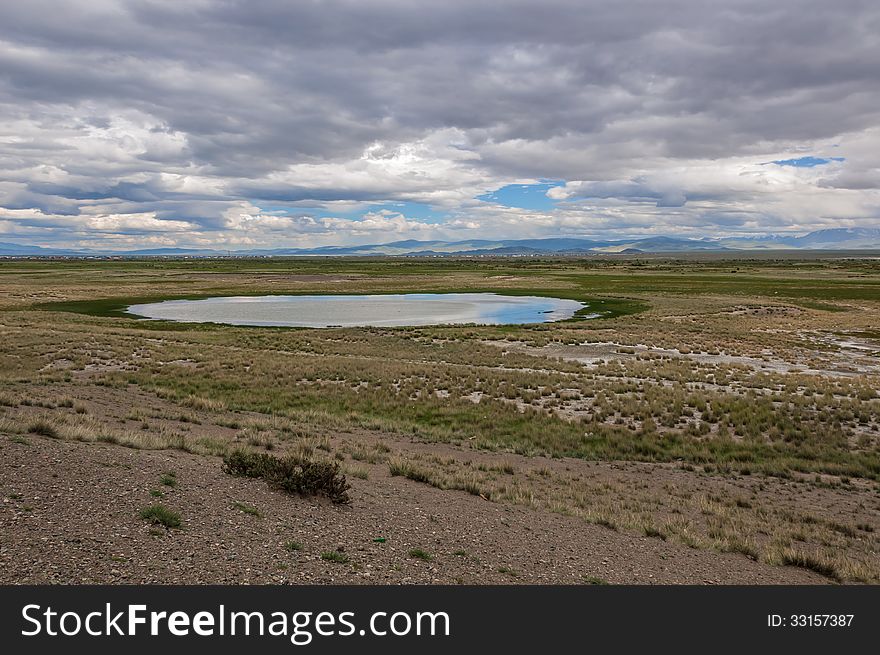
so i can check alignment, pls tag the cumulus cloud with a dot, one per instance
(232, 123)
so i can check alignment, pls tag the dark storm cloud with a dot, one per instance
(179, 108)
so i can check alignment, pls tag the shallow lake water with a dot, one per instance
(363, 310)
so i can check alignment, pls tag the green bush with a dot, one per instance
(291, 474)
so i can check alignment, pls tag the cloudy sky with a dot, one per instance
(240, 124)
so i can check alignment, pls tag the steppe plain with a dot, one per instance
(719, 423)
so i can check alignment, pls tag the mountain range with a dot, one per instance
(832, 239)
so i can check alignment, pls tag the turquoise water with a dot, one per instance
(358, 311)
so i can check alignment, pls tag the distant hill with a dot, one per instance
(24, 250)
(833, 239)
(860, 238)
(662, 244)
(846, 238)
(14, 249)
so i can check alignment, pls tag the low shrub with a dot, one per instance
(294, 475)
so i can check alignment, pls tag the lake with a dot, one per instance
(363, 310)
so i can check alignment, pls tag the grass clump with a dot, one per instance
(654, 533)
(294, 475)
(418, 553)
(595, 580)
(358, 472)
(293, 546)
(247, 509)
(402, 467)
(169, 479)
(334, 556)
(161, 515)
(811, 562)
(44, 428)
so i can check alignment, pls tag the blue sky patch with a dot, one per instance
(807, 162)
(414, 210)
(524, 196)
(269, 207)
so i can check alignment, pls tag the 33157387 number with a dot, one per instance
(810, 620)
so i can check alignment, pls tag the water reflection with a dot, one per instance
(372, 310)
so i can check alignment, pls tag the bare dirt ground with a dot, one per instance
(75, 519)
